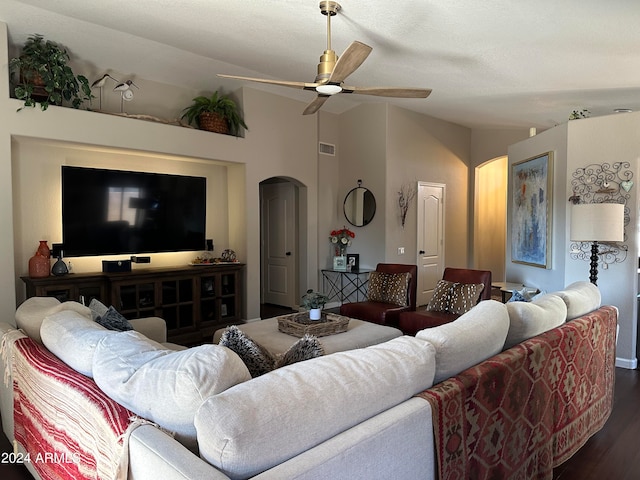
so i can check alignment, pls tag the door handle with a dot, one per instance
(421, 252)
(288, 254)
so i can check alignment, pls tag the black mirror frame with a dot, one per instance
(369, 210)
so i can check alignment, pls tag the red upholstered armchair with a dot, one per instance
(385, 312)
(412, 322)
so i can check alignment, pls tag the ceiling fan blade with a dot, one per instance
(314, 106)
(282, 83)
(397, 92)
(349, 61)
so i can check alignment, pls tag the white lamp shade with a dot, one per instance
(597, 222)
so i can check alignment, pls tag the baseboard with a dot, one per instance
(629, 364)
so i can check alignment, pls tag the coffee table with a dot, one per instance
(359, 334)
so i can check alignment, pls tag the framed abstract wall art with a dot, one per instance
(531, 211)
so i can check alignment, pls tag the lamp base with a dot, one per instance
(593, 271)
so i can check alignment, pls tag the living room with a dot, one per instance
(384, 145)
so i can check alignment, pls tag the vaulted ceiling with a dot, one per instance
(494, 63)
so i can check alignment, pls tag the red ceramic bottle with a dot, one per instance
(39, 264)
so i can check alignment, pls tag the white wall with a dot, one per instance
(490, 218)
(363, 155)
(577, 144)
(422, 148)
(553, 140)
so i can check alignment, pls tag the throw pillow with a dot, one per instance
(464, 296)
(97, 308)
(113, 320)
(389, 288)
(454, 297)
(440, 300)
(306, 348)
(257, 358)
(524, 295)
(162, 385)
(475, 336)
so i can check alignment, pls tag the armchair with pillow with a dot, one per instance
(459, 290)
(391, 291)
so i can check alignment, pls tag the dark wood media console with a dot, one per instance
(195, 301)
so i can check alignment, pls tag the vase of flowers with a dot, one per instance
(341, 239)
(314, 301)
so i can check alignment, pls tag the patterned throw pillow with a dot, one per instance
(113, 320)
(108, 317)
(464, 296)
(453, 297)
(259, 360)
(389, 288)
(440, 300)
(306, 348)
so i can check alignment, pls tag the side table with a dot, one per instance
(509, 287)
(350, 285)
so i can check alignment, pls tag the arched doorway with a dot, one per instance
(490, 217)
(282, 241)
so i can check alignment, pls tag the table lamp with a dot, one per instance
(597, 222)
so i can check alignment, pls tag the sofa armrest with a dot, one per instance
(154, 328)
(155, 455)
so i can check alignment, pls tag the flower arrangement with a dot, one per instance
(341, 239)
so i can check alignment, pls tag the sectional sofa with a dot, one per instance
(504, 391)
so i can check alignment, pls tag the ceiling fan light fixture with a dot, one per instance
(328, 89)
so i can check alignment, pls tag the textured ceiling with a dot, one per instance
(495, 63)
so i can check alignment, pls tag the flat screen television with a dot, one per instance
(112, 212)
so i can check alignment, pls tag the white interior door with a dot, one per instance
(279, 241)
(430, 242)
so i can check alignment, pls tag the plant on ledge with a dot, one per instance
(45, 77)
(217, 113)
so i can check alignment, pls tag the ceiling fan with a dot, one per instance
(332, 71)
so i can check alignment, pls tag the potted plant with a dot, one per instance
(314, 301)
(45, 76)
(217, 113)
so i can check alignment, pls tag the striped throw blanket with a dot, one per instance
(68, 426)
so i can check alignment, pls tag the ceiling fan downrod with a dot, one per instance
(329, 58)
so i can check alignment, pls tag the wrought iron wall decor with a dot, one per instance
(603, 183)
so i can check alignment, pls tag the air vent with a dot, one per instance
(327, 149)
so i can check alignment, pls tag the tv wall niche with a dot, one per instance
(112, 212)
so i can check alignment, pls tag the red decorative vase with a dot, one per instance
(39, 265)
(43, 249)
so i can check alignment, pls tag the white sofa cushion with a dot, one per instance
(31, 313)
(580, 298)
(473, 337)
(528, 319)
(162, 385)
(256, 425)
(73, 337)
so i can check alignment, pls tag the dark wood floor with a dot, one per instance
(613, 453)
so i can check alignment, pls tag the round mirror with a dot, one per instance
(359, 206)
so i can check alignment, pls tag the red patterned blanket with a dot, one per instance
(528, 409)
(68, 426)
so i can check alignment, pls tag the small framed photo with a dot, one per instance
(353, 262)
(340, 263)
